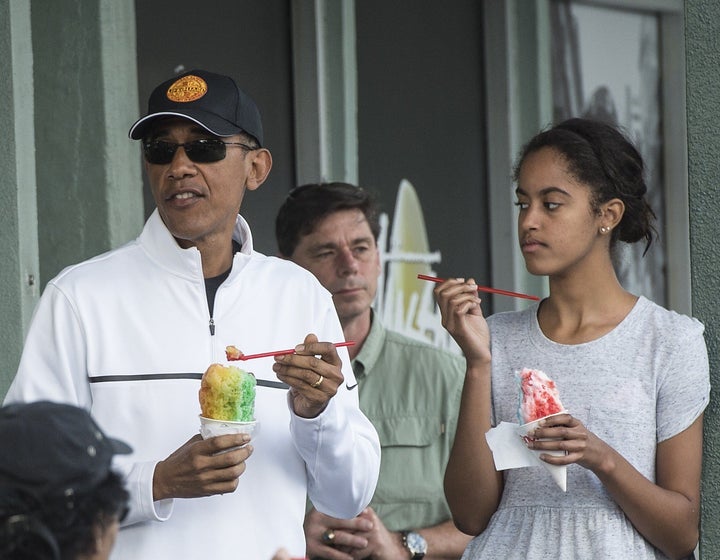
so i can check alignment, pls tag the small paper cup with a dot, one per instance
(527, 430)
(210, 427)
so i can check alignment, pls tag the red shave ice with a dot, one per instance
(538, 396)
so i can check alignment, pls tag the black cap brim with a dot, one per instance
(119, 447)
(212, 123)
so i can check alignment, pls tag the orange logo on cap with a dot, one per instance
(187, 88)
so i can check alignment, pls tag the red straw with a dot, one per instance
(244, 357)
(484, 288)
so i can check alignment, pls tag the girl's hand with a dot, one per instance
(462, 317)
(566, 433)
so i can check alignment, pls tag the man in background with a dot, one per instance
(408, 389)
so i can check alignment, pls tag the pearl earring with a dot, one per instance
(604, 229)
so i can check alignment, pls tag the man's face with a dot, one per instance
(198, 202)
(341, 252)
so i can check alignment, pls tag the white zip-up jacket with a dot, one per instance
(128, 335)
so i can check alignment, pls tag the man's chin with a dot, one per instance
(348, 313)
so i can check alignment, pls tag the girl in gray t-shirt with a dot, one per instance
(633, 376)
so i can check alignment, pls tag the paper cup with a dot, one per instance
(559, 473)
(211, 428)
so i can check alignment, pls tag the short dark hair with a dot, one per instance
(307, 204)
(33, 528)
(603, 158)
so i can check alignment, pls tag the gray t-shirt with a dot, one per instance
(640, 384)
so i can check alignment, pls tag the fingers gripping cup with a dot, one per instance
(227, 401)
(538, 400)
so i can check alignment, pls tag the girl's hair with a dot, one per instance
(62, 528)
(601, 157)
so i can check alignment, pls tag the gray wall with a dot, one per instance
(421, 117)
(702, 29)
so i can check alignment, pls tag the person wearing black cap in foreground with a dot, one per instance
(59, 497)
(128, 334)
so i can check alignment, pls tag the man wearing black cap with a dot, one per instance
(129, 333)
(59, 497)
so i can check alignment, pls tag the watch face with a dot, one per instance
(416, 544)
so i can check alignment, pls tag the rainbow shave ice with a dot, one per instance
(228, 393)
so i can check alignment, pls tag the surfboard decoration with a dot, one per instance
(406, 304)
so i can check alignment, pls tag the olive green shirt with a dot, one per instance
(410, 391)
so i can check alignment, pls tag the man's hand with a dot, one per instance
(382, 544)
(202, 467)
(334, 539)
(313, 373)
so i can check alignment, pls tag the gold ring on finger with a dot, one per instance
(328, 536)
(315, 386)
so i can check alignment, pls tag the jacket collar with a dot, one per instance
(159, 244)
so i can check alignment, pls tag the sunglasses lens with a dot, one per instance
(199, 151)
(158, 152)
(205, 151)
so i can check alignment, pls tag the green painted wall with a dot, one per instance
(18, 250)
(71, 179)
(702, 29)
(76, 136)
(69, 132)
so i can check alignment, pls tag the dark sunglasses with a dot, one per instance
(204, 150)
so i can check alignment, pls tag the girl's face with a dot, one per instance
(108, 540)
(557, 227)
(105, 536)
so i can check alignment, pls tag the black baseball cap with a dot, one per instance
(53, 450)
(213, 101)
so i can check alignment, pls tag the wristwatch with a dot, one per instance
(415, 543)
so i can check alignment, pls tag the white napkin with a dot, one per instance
(510, 452)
